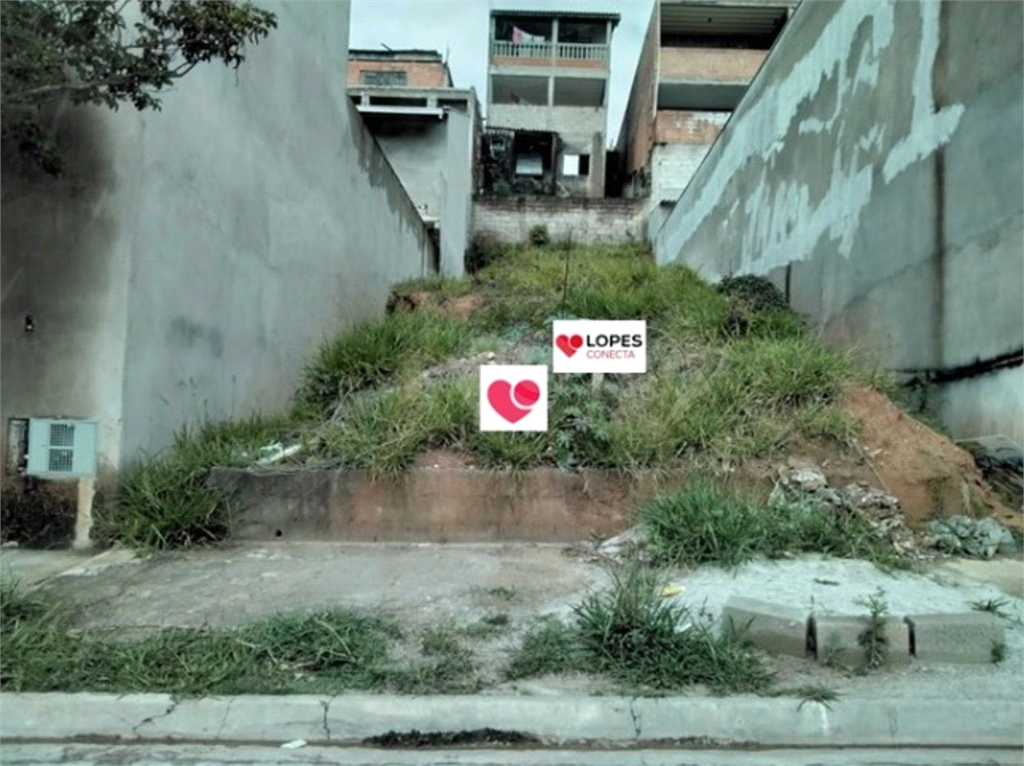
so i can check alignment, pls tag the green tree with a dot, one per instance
(86, 52)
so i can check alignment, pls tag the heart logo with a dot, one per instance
(569, 346)
(513, 402)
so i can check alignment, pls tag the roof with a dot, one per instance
(613, 17)
(413, 54)
(723, 17)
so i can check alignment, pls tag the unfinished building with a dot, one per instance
(547, 104)
(695, 65)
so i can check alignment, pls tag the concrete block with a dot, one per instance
(771, 627)
(964, 638)
(837, 639)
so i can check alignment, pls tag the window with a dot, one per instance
(384, 77)
(575, 164)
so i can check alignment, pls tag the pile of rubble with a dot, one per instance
(880, 510)
(981, 538)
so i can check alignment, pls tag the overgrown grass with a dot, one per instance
(732, 373)
(309, 652)
(530, 286)
(738, 401)
(373, 352)
(384, 431)
(165, 502)
(548, 647)
(641, 640)
(703, 523)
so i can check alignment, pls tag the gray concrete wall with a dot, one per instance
(457, 218)
(877, 157)
(418, 156)
(64, 260)
(587, 221)
(193, 259)
(672, 167)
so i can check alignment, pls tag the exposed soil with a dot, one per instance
(931, 476)
(411, 300)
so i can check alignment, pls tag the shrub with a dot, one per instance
(539, 236)
(757, 292)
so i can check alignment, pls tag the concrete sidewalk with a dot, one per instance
(555, 720)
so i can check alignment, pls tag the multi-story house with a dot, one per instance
(547, 102)
(695, 65)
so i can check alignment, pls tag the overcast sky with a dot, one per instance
(461, 28)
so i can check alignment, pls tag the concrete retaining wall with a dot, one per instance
(589, 221)
(190, 261)
(465, 505)
(875, 170)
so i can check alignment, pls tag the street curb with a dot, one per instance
(349, 718)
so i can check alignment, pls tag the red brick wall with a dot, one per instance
(638, 123)
(421, 74)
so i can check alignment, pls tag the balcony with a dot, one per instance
(548, 54)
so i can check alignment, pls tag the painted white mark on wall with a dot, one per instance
(928, 129)
(782, 225)
(761, 129)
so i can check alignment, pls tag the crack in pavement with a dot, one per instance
(150, 719)
(224, 720)
(326, 704)
(636, 718)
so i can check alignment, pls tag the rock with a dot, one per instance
(880, 510)
(981, 538)
(806, 479)
(861, 497)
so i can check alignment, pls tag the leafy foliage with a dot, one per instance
(86, 52)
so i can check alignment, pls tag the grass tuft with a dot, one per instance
(165, 502)
(703, 523)
(873, 639)
(641, 640)
(548, 647)
(374, 352)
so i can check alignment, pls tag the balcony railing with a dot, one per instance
(551, 51)
(583, 51)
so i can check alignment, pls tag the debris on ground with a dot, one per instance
(1002, 464)
(459, 368)
(631, 544)
(879, 509)
(980, 538)
(276, 452)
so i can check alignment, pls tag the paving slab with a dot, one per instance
(837, 639)
(963, 638)
(775, 628)
(1005, 573)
